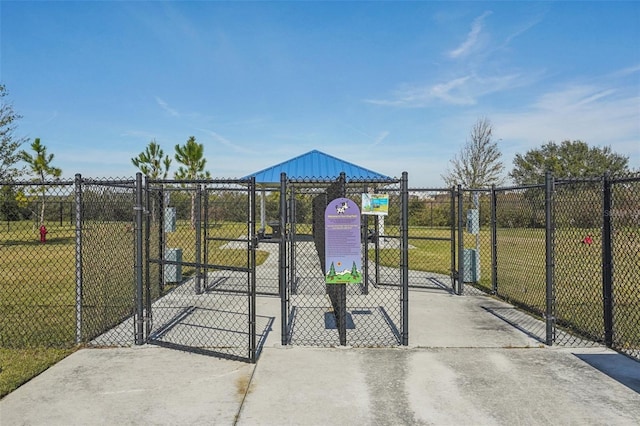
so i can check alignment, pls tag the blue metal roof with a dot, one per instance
(316, 165)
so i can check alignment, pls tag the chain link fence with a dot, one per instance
(432, 251)
(520, 252)
(204, 296)
(475, 241)
(570, 257)
(107, 280)
(369, 313)
(622, 222)
(577, 254)
(37, 265)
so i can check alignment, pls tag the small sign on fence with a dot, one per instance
(375, 204)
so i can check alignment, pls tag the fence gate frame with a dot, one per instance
(453, 227)
(204, 283)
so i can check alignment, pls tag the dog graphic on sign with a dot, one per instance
(340, 208)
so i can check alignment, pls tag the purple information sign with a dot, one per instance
(343, 262)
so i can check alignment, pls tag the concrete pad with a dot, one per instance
(464, 365)
(534, 386)
(443, 320)
(307, 386)
(455, 386)
(125, 386)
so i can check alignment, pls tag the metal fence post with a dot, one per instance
(549, 258)
(78, 201)
(341, 306)
(161, 238)
(291, 235)
(461, 266)
(404, 256)
(253, 243)
(198, 232)
(376, 243)
(282, 262)
(365, 252)
(452, 218)
(205, 232)
(147, 256)
(494, 241)
(607, 262)
(139, 208)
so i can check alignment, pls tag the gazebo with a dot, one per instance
(313, 165)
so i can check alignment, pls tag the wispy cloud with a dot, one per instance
(597, 115)
(472, 38)
(464, 90)
(377, 140)
(148, 136)
(226, 142)
(523, 28)
(381, 137)
(165, 106)
(626, 71)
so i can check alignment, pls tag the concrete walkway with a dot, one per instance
(464, 365)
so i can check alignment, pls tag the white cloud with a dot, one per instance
(226, 142)
(381, 137)
(141, 134)
(596, 115)
(165, 106)
(465, 90)
(472, 38)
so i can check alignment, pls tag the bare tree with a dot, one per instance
(478, 164)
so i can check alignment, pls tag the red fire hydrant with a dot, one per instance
(43, 234)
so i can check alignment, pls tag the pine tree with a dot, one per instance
(332, 270)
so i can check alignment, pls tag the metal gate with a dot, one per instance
(372, 313)
(201, 263)
(432, 236)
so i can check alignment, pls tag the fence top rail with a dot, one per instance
(36, 183)
(519, 187)
(431, 190)
(198, 181)
(568, 181)
(629, 179)
(128, 184)
(475, 189)
(350, 181)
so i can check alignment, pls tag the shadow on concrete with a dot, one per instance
(529, 325)
(617, 366)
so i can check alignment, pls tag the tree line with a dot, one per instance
(479, 163)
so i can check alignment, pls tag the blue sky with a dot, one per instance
(391, 86)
